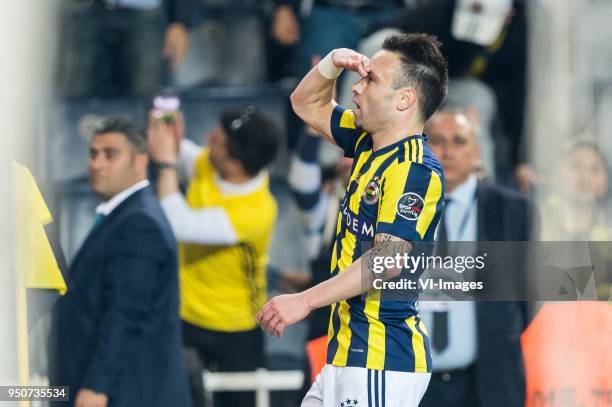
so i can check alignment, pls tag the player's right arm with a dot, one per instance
(313, 100)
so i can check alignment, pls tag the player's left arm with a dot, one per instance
(357, 279)
(406, 211)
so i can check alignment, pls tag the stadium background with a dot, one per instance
(569, 95)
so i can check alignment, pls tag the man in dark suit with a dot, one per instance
(116, 334)
(476, 346)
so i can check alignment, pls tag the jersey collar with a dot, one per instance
(396, 144)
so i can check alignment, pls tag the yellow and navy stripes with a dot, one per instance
(396, 190)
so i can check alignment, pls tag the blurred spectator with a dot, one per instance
(327, 24)
(485, 45)
(285, 26)
(224, 226)
(228, 45)
(112, 48)
(318, 193)
(575, 209)
(116, 333)
(476, 349)
(575, 212)
(281, 41)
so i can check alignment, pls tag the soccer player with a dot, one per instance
(378, 351)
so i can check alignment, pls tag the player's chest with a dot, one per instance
(359, 208)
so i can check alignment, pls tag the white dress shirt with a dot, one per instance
(105, 208)
(460, 219)
(460, 216)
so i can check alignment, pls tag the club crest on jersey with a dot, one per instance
(410, 206)
(349, 403)
(371, 192)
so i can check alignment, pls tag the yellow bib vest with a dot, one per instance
(223, 287)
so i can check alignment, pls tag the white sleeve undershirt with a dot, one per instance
(188, 153)
(208, 226)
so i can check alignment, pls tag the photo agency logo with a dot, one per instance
(492, 271)
(413, 263)
(415, 273)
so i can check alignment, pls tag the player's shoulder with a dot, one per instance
(430, 160)
(414, 155)
(343, 117)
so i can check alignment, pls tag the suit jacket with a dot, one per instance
(503, 215)
(117, 329)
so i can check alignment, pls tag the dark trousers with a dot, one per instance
(456, 388)
(110, 52)
(222, 352)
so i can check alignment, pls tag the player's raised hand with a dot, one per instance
(282, 311)
(351, 60)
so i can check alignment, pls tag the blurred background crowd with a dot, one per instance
(526, 124)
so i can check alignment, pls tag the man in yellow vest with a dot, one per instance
(224, 227)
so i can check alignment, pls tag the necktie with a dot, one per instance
(440, 318)
(97, 220)
(443, 234)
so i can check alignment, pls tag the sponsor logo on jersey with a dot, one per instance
(410, 206)
(355, 223)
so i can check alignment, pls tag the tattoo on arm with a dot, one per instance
(385, 237)
(386, 245)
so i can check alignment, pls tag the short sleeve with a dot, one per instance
(344, 131)
(411, 202)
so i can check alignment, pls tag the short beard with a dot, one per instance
(372, 128)
(378, 121)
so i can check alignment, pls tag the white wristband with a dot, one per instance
(328, 69)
